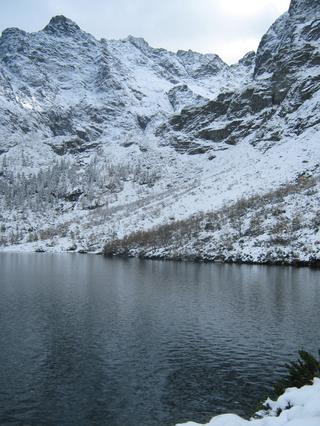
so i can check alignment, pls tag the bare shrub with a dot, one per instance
(178, 233)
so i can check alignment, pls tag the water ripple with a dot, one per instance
(90, 341)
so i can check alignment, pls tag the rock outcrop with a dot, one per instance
(286, 76)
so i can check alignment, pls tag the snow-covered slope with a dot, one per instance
(99, 139)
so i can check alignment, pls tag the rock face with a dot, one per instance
(286, 76)
(61, 81)
(100, 138)
(304, 7)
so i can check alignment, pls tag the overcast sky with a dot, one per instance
(229, 28)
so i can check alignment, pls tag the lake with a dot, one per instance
(86, 340)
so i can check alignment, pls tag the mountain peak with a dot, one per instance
(12, 32)
(138, 42)
(298, 7)
(61, 25)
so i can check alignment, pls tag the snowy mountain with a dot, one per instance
(101, 139)
(61, 82)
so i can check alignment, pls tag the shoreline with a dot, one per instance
(311, 264)
(201, 260)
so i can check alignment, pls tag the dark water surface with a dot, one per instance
(90, 341)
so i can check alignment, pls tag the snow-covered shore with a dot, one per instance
(296, 407)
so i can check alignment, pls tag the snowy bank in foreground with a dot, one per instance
(297, 407)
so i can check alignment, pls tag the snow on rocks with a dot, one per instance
(296, 407)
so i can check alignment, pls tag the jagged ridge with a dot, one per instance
(94, 133)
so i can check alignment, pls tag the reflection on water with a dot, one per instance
(90, 341)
